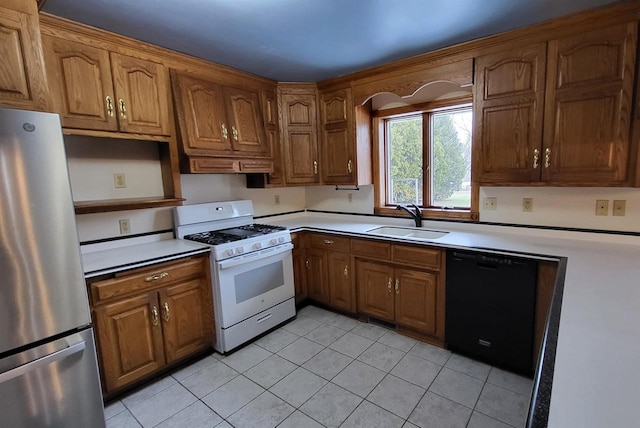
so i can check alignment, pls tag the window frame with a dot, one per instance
(380, 158)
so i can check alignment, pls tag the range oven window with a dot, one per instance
(258, 281)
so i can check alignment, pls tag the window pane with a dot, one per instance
(451, 159)
(405, 160)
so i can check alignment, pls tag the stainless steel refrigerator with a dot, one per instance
(48, 369)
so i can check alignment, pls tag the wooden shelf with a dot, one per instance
(103, 206)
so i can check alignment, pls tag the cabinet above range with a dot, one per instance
(221, 128)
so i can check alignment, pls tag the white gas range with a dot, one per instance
(251, 267)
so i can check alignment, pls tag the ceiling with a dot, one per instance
(310, 40)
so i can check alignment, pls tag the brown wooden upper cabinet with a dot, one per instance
(22, 80)
(343, 159)
(101, 90)
(557, 112)
(218, 121)
(299, 128)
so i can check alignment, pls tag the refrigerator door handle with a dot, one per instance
(41, 362)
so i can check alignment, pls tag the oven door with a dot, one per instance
(252, 283)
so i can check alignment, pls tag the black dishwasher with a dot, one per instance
(490, 308)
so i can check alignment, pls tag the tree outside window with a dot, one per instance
(433, 146)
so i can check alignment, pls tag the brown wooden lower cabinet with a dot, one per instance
(151, 317)
(406, 297)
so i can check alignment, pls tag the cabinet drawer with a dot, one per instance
(330, 242)
(416, 256)
(371, 249)
(146, 278)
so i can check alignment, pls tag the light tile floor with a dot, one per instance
(327, 370)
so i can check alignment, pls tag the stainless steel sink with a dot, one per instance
(407, 232)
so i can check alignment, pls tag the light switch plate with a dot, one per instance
(619, 207)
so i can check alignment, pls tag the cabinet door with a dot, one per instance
(507, 114)
(341, 286)
(187, 318)
(317, 280)
(375, 290)
(271, 122)
(416, 300)
(81, 84)
(300, 273)
(22, 80)
(338, 140)
(142, 95)
(129, 337)
(300, 138)
(201, 113)
(246, 131)
(589, 94)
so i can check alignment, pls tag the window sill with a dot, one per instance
(431, 213)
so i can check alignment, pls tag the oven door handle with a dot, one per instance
(257, 255)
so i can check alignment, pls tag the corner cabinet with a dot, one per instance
(345, 139)
(23, 83)
(149, 318)
(557, 112)
(96, 89)
(221, 127)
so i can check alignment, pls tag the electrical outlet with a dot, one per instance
(602, 207)
(119, 180)
(490, 204)
(349, 197)
(527, 205)
(619, 207)
(125, 226)
(276, 199)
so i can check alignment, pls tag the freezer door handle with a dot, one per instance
(41, 362)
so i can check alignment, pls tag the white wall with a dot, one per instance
(327, 198)
(563, 207)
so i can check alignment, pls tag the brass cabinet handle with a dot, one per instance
(306, 263)
(349, 166)
(123, 109)
(166, 312)
(536, 158)
(397, 286)
(389, 285)
(154, 316)
(157, 276)
(234, 132)
(547, 157)
(346, 271)
(225, 133)
(315, 167)
(109, 106)
(328, 241)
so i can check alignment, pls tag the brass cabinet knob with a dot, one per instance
(397, 286)
(166, 312)
(536, 158)
(547, 157)
(154, 316)
(225, 132)
(123, 109)
(109, 106)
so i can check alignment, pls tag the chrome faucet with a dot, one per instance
(416, 216)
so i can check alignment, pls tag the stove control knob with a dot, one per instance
(257, 245)
(281, 239)
(274, 241)
(229, 252)
(239, 250)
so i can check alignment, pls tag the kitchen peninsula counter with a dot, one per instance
(596, 381)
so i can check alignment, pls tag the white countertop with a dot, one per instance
(596, 381)
(114, 259)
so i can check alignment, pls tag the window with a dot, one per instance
(426, 158)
